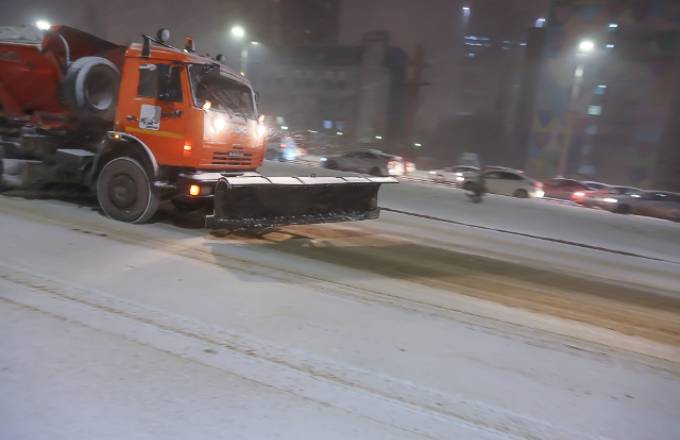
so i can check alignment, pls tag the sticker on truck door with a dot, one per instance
(150, 117)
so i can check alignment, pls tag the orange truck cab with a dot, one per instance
(192, 112)
(148, 122)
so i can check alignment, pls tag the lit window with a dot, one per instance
(540, 22)
(595, 110)
(600, 89)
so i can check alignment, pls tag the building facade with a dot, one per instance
(353, 92)
(608, 93)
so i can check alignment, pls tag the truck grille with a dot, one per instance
(233, 158)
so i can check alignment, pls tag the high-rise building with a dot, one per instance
(293, 22)
(608, 93)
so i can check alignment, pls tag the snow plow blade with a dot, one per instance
(246, 202)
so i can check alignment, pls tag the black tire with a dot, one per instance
(521, 194)
(3, 186)
(376, 172)
(125, 191)
(91, 88)
(331, 165)
(469, 186)
(622, 209)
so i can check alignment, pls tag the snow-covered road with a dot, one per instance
(405, 327)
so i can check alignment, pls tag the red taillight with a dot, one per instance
(538, 185)
(578, 195)
(392, 164)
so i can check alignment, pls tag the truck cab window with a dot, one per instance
(224, 93)
(160, 81)
(148, 81)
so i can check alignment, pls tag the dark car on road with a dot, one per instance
(660, 204)
(609, 200)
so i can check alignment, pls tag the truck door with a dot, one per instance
(156, 113)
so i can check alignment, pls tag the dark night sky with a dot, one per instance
(437, 24)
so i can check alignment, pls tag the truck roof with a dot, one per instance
(169, 53)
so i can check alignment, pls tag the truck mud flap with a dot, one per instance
(262, 202)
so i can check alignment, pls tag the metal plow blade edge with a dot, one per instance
(250, 202)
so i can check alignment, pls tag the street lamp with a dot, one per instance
(585, 47)
(238, 32)
(43, 25)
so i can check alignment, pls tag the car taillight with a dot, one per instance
(538, 185)
(578, 195)
(392, 164)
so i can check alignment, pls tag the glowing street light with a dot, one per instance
(237, 32)
(43, 25)
(586, 46)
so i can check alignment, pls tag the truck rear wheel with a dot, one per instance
(125, 191)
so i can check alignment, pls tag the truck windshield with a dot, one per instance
(224, 94)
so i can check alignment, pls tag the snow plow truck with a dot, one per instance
(148, 122)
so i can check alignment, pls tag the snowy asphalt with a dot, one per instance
(509, 319)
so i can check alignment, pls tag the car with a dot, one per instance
(371, 161)
(456, 174)
(660, 204)
(609, 200)
(596, 191)
(598, 186)
(567, 189)
(508, 183)
(624, 190)
(283, 148)
(503, 168)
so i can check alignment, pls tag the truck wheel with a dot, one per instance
(91, 88)
(125, 191)
(3, 186)
(469, 186)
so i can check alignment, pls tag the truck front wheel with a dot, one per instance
(125, 191)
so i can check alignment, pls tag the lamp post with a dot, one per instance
(238, 33)
(584, 48)
(43, 25)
